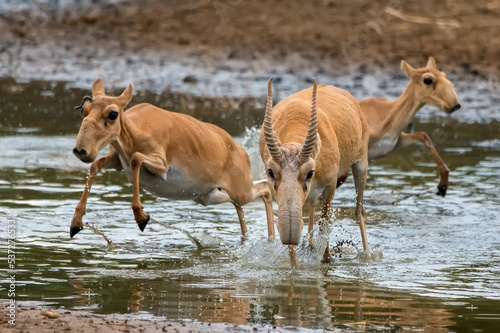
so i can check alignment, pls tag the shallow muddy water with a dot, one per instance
(439, 265)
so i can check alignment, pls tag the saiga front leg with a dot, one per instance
(155, 163)
(326, 215)
(310, 225)
(110, 160)
(359, 171)
(293, 256)
(406, 139)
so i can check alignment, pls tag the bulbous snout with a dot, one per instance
(82, 155)
(290, 226)
(87, 145)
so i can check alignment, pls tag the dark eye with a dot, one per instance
(271, 174)
(428, 81)
(310, 174)
(113, 115)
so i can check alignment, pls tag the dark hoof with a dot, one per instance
(442, 190)
(327, 260)
(74, 230)
(143, 225)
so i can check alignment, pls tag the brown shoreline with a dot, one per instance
(29, 319)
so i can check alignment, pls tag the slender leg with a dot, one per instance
(293, 256)
(312, 205)
(241, 217)
(310, 225)
(261, 189)
(326, 214)
(109, 161)
(156, 164)
(406, 139)
(359, 170)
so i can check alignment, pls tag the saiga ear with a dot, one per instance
(407, 69)
(98, 88)
(125, 98)
(431, 63)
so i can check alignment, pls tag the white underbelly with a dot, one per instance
(176, 186)
(381, 148)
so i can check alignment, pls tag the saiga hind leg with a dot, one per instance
(261, 189)
(241, 217)
(110, 160)
(221, 195)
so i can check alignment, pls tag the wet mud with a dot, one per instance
(228, 49)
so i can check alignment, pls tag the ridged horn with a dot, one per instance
(312, 132)
(272, 146)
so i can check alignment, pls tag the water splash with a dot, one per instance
(251, 144)
(271, 253)
(207, 240)
(265, 252)
(111, 245)
(375, 254)
(202, 240)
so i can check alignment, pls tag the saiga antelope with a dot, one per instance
(387, 119)
(306, 144)
(169, 154)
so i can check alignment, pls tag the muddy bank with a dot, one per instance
(29, 318)
(230, 48)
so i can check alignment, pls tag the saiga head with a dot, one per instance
(101, 123)
(290, 171)
(431, 86)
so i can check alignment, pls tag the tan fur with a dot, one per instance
(147, 141)
(342, 144)
(387, 119)
(341, 128)
(206, 153)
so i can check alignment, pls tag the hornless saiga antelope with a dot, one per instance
(169, 154)
(305, 147)
(387, 119)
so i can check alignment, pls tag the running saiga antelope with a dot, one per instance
(171, 155)
(387, 119)
(306, 144)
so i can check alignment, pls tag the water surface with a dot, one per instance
(440, 266)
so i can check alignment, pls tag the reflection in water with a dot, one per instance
(235, 293)
(137, 297)
(440, 268)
